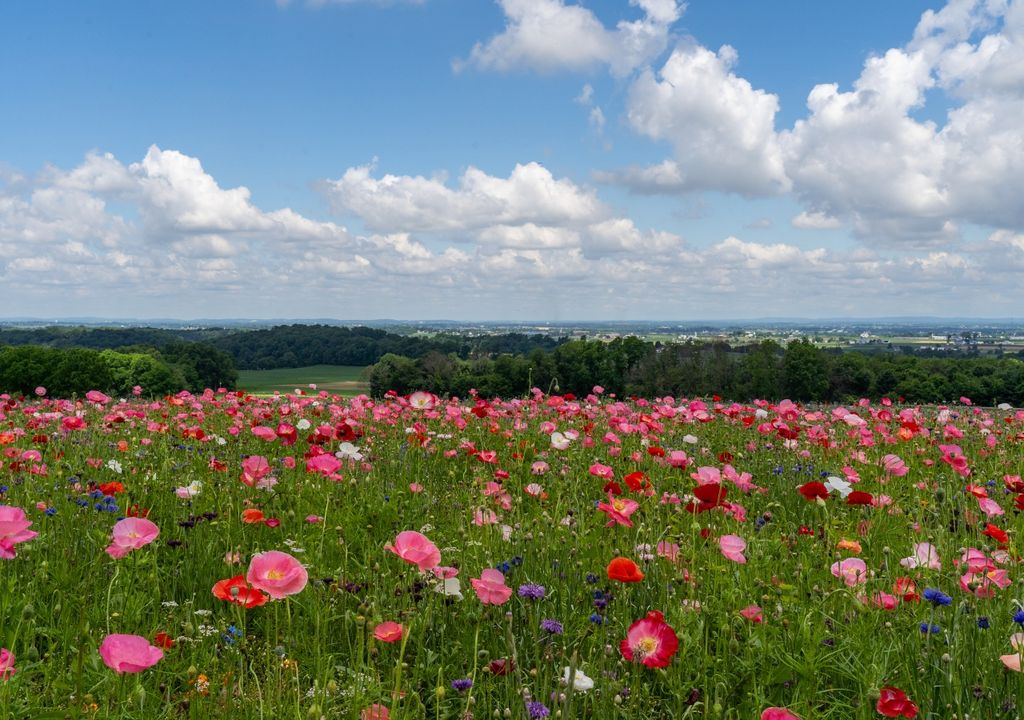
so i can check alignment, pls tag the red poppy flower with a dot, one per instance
(650, 641)
(813, 490)
(163, 640)
(712, 493)
(859, 497)
(894, 703)
(501, 666)
(237, 590)
(655, 451)
(996, 533)
(637, 481)
(612, 487)
(252, 516)
(111, 488)
(624, 570)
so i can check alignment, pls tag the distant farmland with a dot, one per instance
(340, 379)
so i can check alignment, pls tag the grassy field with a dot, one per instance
(341, 379)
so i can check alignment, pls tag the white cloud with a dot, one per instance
(396, 203)
(814, 221)
(721, 129)
(550, 35)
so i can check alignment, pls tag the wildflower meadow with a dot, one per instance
(304, 555)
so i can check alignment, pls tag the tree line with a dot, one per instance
(67, 371)
(285, 346)
(630, 366)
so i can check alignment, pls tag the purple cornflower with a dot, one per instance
(532, 591)
(537, 709)
(462, 684)
(552, 626)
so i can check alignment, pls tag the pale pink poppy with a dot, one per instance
(423, 400)
(990, 507)
(604, 472)
(415, 548)
(885, 601)
(129, 653)
(276, 573)
(732, 547)
(129, 534)
(707, 476)
(325, 464)
(925, 556)
(97, 397)
(254, 468)
(1012, 662)
(668, 550)
(894, 465)
(13, 530)
(853, 571)
(415, 488)
(490, 587)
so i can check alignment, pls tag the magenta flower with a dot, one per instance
(129, 653)
(277, 574)
(131, 534)
(415, 548)
(6, 664)
(13, 530)
(490, 587)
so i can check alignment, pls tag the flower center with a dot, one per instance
(274, 575)
(645, 647)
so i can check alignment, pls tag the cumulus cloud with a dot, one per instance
(873, 156)
(550, 35)
(721, 129)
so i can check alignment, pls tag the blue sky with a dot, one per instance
(518, 159)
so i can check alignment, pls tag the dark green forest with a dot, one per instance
(69, 360)
(632, 367)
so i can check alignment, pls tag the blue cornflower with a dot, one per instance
(936, 597)
(596, 619)
(51, 511)
(517, 561)
(3, 489)
(462, 684)
(592, 578)
(1018, 617)
(537, 710)
(552, 626)
(96, 494)
(532, 591)
(504, 567)
(926, 628)
(983, 622)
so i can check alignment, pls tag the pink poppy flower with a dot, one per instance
(651, 641)
(254, 469)
(415, 548)
(925, 556)
(375, 712)
(1012, 662)
(732, 547)
(129, 653)
(490, 587)
(13, 530)
(777, 713)
(894, 465)
(277, 574)
(618, 510)
(6, 664)
(605, 472)
(853, 571)
(388, 631)
(129, 534)
(753, 613)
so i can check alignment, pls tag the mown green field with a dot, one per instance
(341, 379)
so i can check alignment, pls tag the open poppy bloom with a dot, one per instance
(415, 548)
(893, 702)
(650, 641)
(129, 653)
(388, 631)
(624, 570)
(490, 587)
(777, 713)
(277, 573)
(237, 590)
(618, 510)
